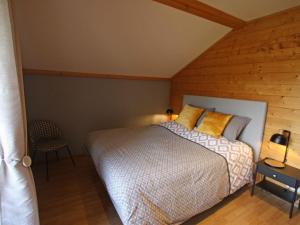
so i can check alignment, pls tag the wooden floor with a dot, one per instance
(75, 196)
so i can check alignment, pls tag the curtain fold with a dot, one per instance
(18, 203)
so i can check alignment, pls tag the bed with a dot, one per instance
(165, 174)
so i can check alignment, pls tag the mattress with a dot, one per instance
(164, 174)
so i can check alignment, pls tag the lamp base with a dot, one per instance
(274, 163)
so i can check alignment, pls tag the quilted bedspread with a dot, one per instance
(159, 175)
(238, 155)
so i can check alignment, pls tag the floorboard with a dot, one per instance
(76, 196)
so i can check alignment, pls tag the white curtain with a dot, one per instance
(18, 204)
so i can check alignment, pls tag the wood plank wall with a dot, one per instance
(261, 61)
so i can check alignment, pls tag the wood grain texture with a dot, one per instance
(260, 61)
(205, 11)
(87, 74)
(76, 196)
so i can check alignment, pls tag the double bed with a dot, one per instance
(165, 174)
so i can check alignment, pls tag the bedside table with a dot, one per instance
(288, 175)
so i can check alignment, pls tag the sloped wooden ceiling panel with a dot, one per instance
(205, 11)
(139, 38)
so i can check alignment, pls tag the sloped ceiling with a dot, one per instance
(251, 9)
(127, 37)
(132, 37)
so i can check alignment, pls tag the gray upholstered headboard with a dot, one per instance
(256, 110)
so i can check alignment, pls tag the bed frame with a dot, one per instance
(256, 110)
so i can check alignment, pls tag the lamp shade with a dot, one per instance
(169, 111)
(279, 139)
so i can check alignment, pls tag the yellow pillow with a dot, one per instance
(214, 123)
(188, 116)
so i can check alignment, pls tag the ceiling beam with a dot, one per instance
(205, 11)
(39, 72)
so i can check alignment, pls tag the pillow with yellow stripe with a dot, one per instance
(188, 116)
(214, 123)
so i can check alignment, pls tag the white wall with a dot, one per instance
(81, 105)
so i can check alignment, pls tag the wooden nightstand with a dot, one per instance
(289, 176)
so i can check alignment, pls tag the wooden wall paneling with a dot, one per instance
(260, 61)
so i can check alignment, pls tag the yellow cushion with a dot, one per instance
(214, 123)
(188, 116)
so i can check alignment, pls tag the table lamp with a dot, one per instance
(169, 113)
(281, 139)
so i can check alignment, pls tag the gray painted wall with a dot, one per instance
(81, 105)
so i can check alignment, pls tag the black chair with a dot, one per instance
(45, 136)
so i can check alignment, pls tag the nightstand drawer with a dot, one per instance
(265, 170)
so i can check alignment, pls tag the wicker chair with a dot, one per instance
(45, 136)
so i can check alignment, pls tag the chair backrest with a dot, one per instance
(43, 129)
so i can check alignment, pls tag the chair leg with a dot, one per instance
(70, 154)
(33, 158)
(47, 170)
(57, 156)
